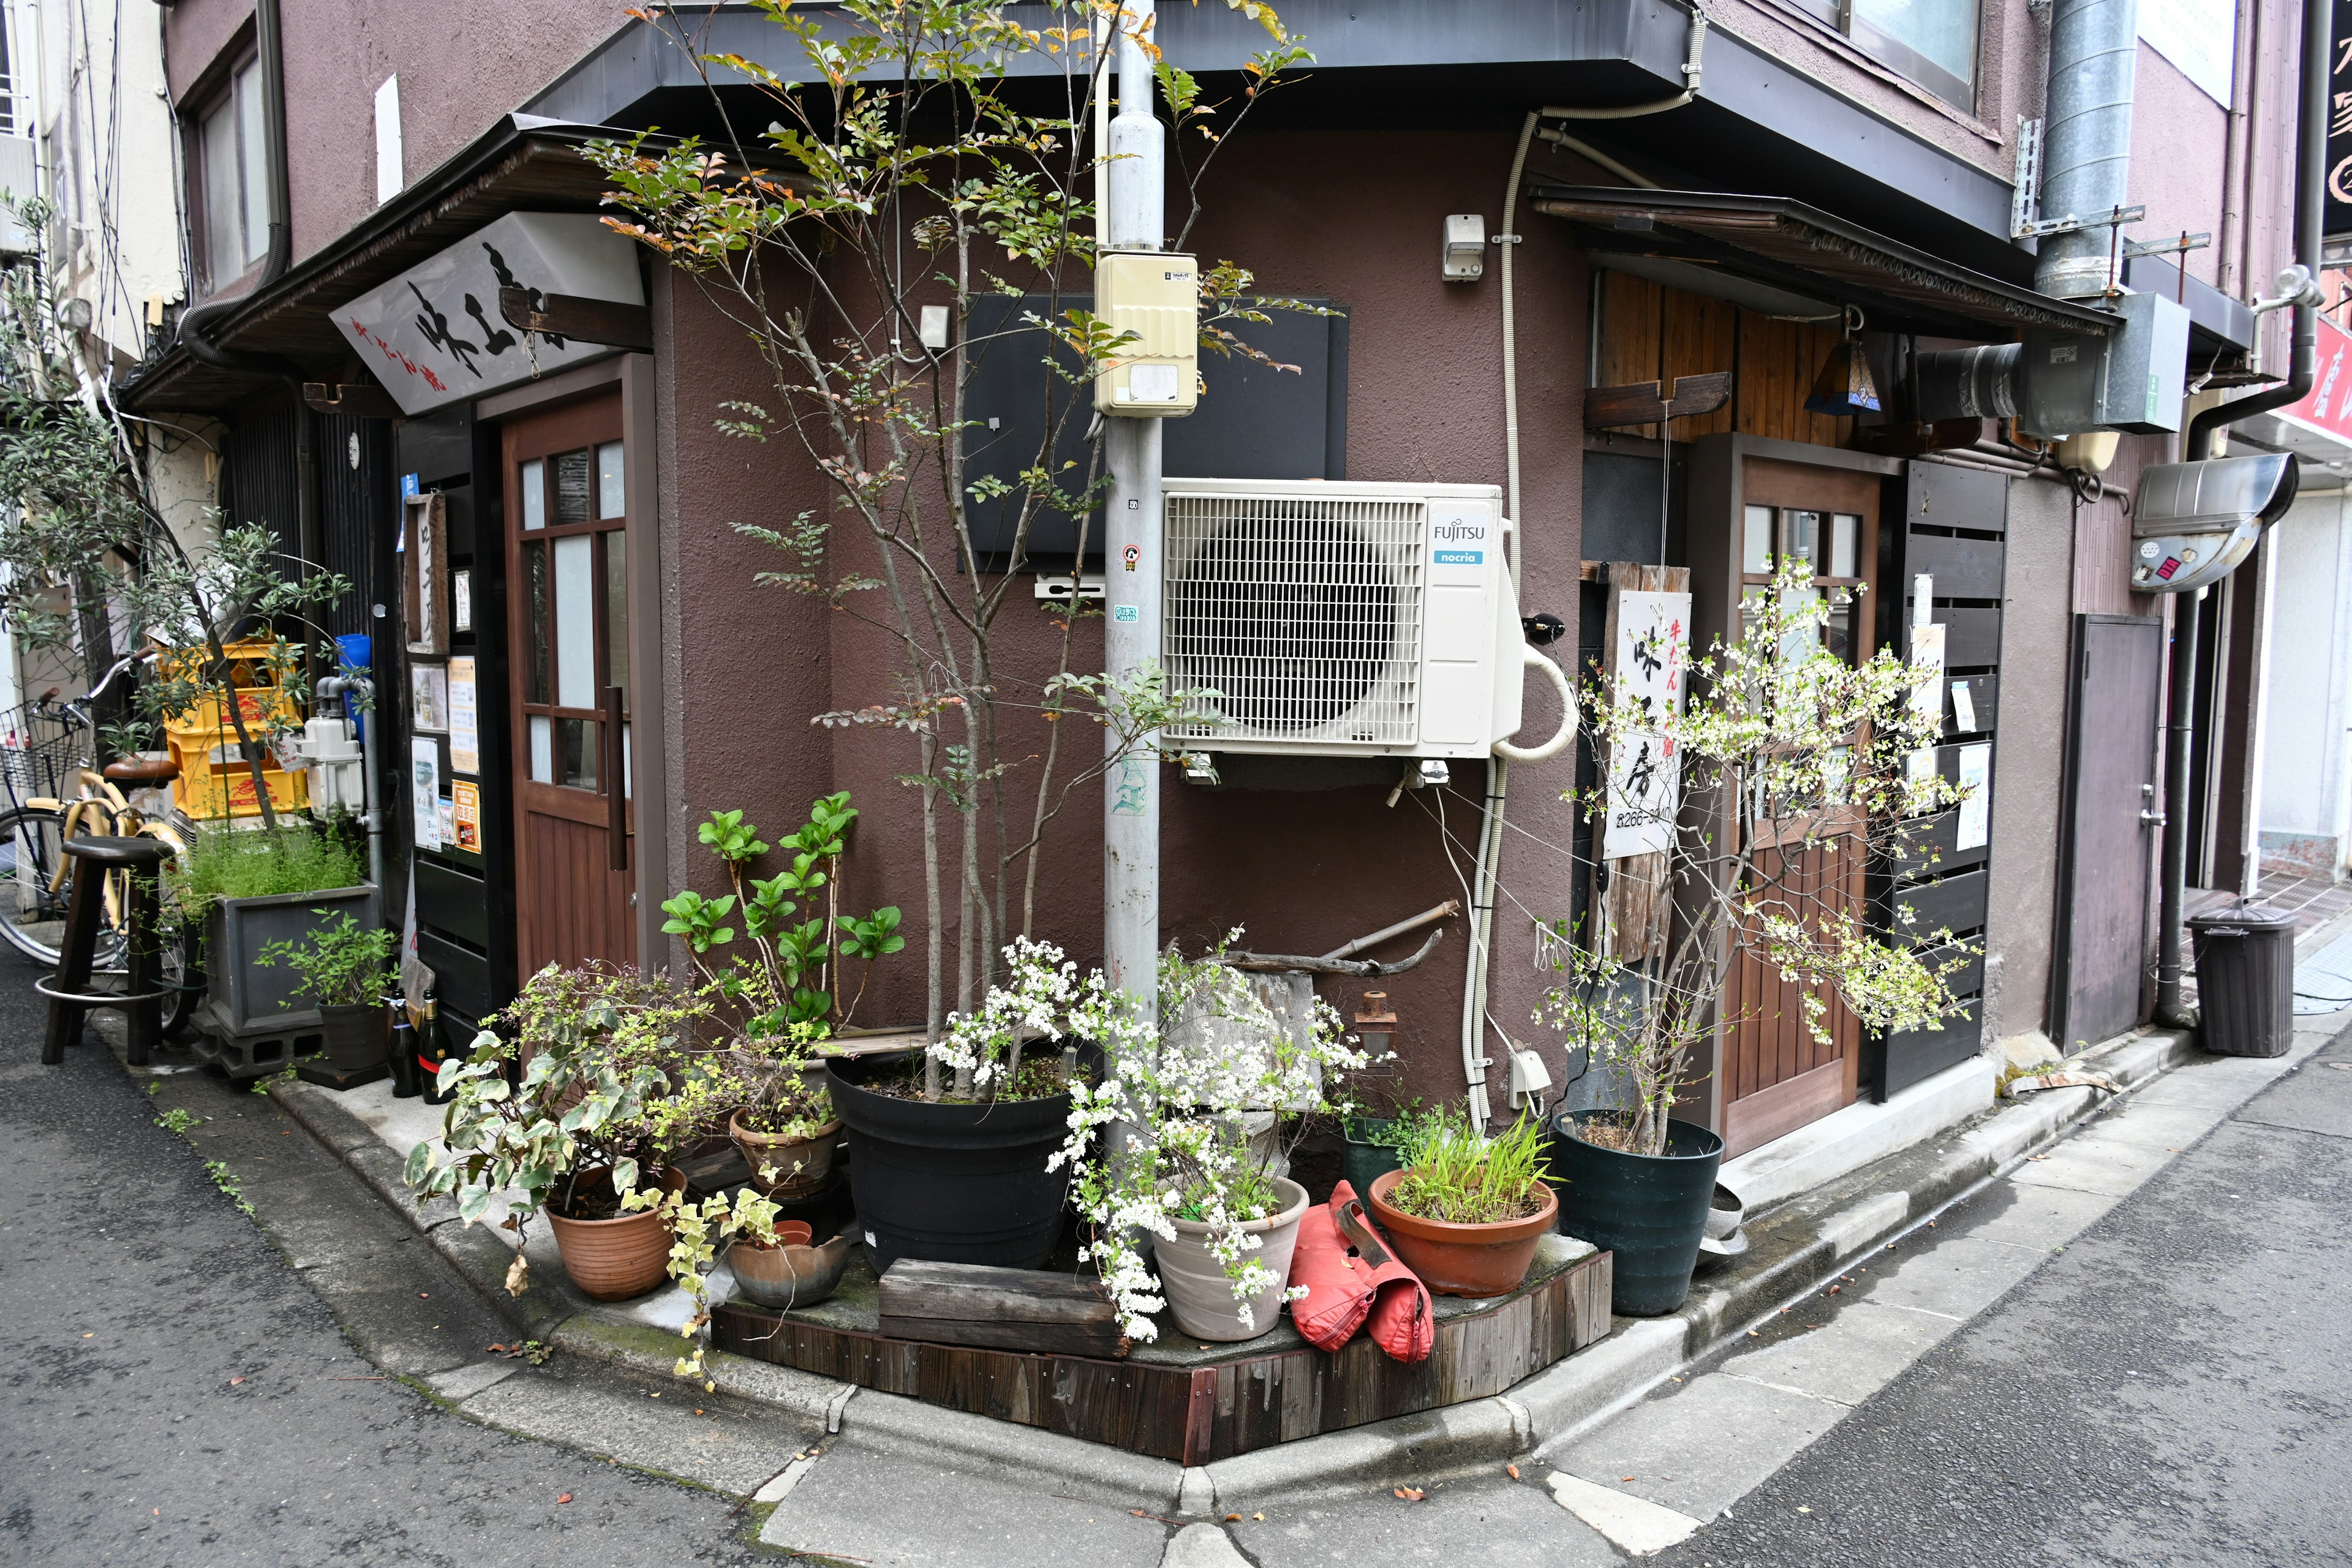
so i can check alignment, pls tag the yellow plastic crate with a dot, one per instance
(215, 783)
(258, 701)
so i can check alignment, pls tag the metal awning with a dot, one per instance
(1802, 251)
(519, 164)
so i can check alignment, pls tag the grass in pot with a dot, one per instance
(345, 970)
(240, 891)
(1466, 1211)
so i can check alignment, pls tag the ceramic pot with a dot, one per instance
(1194, 1283)
(1463, 1259)
(615, 1259)
(1650, 1210)
(951, 1184)
(358, 1035)
(793, 1273)
(802, 1166)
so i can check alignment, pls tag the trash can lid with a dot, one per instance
(2256, 916)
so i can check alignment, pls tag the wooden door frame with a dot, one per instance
(1713, 521)
(649, 708)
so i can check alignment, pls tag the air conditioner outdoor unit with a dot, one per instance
(1343, 618)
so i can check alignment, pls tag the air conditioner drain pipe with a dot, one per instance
(1475, 1060)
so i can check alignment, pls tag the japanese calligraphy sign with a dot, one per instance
(434, 334)
(2339, 226)
(1649, 667)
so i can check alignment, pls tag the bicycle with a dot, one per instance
(44, 746)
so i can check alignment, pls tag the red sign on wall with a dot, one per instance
(2328, 406)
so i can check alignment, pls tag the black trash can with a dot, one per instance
(2245, 979)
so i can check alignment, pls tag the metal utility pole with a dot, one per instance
(1133, 219)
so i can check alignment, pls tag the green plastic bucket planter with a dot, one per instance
(1366, 1158)
(1650, 1210)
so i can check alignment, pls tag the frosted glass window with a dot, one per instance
(1846, 538)
(575, 622)
(1756, 550)
(617, 607)
(534, 494)
(612, 499)
(543, 749)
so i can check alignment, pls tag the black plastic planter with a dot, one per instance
(1649, 1209)
(951, 1183)
(1365, 1159)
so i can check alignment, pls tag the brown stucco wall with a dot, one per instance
(1352, 218)
(460, 68)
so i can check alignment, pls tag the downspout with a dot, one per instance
(2310, 193)
(1487, 873)
(2087, 161)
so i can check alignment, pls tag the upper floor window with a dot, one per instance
(234, 173)
(1933, 42)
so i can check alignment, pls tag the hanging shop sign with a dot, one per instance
(434, 336)
(2328, 406)
(1647, 667)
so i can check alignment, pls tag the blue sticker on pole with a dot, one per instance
(1125, 613)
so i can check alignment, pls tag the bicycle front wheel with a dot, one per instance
(32, 917)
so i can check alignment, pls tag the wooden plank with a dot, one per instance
(1638, 403)
(917, 1288)
(1755, 1121)
(1699, 336)
(1630, 332)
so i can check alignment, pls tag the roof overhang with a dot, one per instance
(522, 163)
(1772, 242)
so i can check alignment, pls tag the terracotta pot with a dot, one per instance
(1463, 1259)
(792, 1274)
(615, 1259)
(802, 1166)
(1194, 1283)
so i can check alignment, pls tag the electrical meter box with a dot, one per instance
(1156, 296)
(2129, 379)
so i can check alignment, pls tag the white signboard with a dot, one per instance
(1976, 811)
(1648, 667)
(464, 734)
(424, 790)
(2200, 36)
(434, 334)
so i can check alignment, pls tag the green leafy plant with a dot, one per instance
(1451, 1172)
(697, 1227)
(345, 964)
(600, 1050)
(252, 863)
(176, 1120)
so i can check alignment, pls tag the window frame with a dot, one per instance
(1901, 57)
(220, 92)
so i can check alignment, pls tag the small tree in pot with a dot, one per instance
(346, 968)
(1784, 747)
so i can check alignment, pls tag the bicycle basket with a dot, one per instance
(40, 748)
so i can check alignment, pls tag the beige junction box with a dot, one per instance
(1156, 296)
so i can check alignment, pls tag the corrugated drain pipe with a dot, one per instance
(1475, 1060)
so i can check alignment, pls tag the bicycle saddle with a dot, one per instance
(142, 769)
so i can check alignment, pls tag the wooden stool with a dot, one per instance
(68, 990)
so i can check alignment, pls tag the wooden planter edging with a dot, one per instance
(1197, 1414)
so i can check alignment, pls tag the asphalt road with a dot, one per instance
(2174, 1387)
(173, 1395)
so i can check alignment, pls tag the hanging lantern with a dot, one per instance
(1844, 387)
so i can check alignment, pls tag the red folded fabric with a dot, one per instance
(1352, 1277)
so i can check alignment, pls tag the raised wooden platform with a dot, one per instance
(1180, 1399)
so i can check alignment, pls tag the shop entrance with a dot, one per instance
(1777, 1074)
(568, 498)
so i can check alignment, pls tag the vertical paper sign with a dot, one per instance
(1646, 668)
(1976, 811)
(425, 789)
(464, 737)
(465, 812)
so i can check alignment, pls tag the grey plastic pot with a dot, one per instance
(1650, 1210)
(247, 997)
(1195, 1284)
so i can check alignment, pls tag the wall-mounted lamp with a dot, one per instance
(1376, 1027)
(1844, 387)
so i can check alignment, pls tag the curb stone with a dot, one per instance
(1793, 1246)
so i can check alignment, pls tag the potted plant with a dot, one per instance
(784, 1128)
(247, 890)
(1186, 1172)
(1783, 747)
(345, 968)
(600, 1051)
(1466, 1210)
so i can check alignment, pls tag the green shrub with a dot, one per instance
(252, 863)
